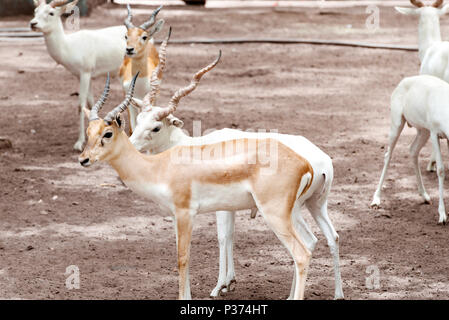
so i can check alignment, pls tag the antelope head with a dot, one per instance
(137, 38)
(103, 134)
(154, 123)
(47, 16)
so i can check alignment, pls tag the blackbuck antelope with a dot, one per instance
(85, 54)
(141, 56)
(421, 102)
(237, 174)
(433, 53)
(159, 130)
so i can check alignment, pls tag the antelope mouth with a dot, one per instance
(85, 162)
(35, 28)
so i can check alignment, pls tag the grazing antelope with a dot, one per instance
(421, 102)
(159, 130)
(85, 54)
(433, 53)
(231, 175)
(141, 56)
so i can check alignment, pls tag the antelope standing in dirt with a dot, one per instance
(85, 54)
(234, 175)
(433, 53)
(141, 56)
(159, 130)
(421, 102)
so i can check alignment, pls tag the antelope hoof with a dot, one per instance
(217, 291)
(431, 167)
(78, 146)
(376, 201)
(230, 286)
(442, 222)
(426, 199)
(375, 204)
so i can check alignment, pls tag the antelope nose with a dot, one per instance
(33, 24)
(84, 162)
(129, 50)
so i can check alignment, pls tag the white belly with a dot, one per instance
(229, 197)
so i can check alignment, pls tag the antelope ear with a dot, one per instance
(67, 10)
(137, 103)
(157, 27)
(70, 6)
(36, 3)
(407, 11)
(86, 112)
(175, 121)
(119, 122)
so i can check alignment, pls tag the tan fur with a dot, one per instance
(275, 194)
(145, 60)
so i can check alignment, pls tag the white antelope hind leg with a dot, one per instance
(419, 142)
(397, 124)
(318, 209)
(225, 232)
(440, 172)
(431, 167)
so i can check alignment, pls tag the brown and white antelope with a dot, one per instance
(141, 56)
(85, 53)
(234, 175)
(158, 130)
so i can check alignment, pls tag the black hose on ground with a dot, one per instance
(19, 33)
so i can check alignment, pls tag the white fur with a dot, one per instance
(85, 54)
(433, 52)
(423, 102)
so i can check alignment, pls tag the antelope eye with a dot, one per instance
(51, 13)
(157, 129)
(107, 135)
(144, 38)
(126, 37)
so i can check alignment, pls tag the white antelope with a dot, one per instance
(159, 130)
(433, 53)
(231, 175)
(85, 54)
(423, 102)
(141, 56)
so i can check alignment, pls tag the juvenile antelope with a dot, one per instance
(159, 130)
(232, 175)
(433, 53)
(141, 56)
(85, 54)
(423, 102)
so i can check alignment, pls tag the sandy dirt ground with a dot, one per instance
(54, 213)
